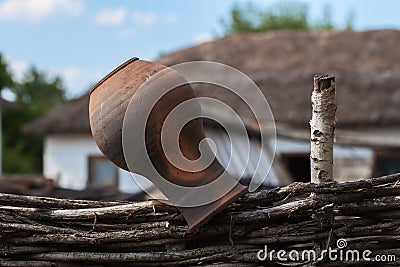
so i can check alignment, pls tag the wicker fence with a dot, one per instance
(365, 215)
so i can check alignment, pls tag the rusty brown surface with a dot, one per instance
(108, 103)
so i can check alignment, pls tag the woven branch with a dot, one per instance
(38, 231)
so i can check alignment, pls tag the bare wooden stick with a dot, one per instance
(322, 129)
(366, 212)
(43, 202)
(27, 264)
(322, 124)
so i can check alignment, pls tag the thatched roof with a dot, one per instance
(282, 64)
(366, 65)
(71, 118)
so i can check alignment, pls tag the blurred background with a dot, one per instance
(53, 51)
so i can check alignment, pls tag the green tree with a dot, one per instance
(39, 94)
(326, 21)
(350, 20)
(290, 15)
(36, 95)
(6, 80)
(285, 15)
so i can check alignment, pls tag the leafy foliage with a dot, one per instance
(281, 16)
(35, 94)
(5, 75)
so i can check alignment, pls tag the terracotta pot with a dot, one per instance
(109, 101)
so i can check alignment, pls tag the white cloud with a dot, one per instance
(203, 38)
(71, 74)
(125, 34)
(18, 68)
(36, 10)
(144, 18)
(170, 18)
(76, 80)
(150, 57)
(8, 95)
(111, 16)
(117, 16)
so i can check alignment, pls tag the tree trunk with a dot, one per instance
(322, 129)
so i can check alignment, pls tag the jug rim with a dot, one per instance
(120, 67)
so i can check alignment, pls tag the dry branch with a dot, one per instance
(52, 232)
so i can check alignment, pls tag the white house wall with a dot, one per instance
(66, 161)
(240, 165)
(350, 163)
(391, 133)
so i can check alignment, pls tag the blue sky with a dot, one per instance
(82, 40)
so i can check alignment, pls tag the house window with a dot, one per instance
(102, 173)
(387, 162)
(298, 166)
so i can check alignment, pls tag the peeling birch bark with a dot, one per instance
(322, 129)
